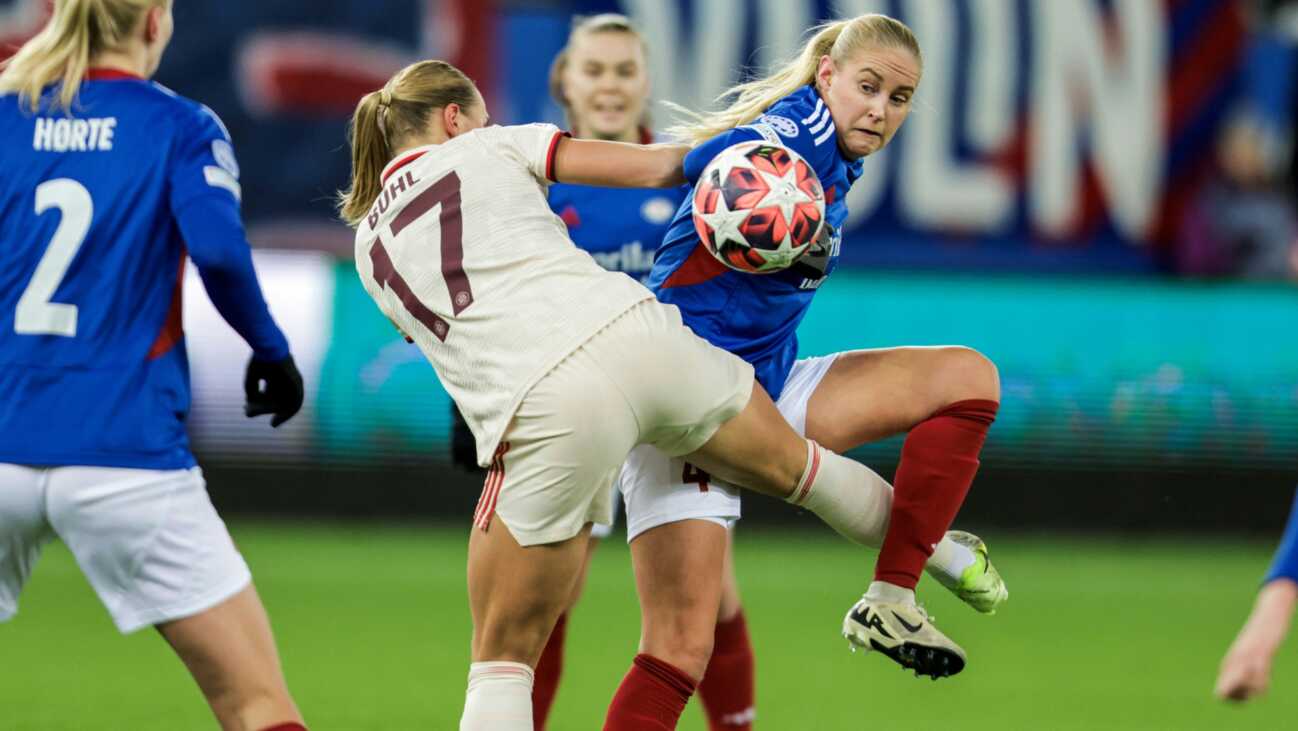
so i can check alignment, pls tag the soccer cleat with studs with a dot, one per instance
(905, 634)
(980, 585)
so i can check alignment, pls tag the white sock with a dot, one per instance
(850, 497)
(499, 697)
(855, 501)
(882, 591)
(950, 559)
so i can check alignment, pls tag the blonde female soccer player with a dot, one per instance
(109, 179)
(559, 366)
(840, 100)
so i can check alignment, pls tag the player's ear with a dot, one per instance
(824, 73)
(451, 119)
(153, 23)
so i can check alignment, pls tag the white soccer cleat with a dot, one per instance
(905, 633)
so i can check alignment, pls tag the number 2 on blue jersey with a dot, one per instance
(36, 314)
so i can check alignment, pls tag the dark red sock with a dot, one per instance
(292, 726)
(651, 697)
(727, 686)
(548, 670)
(938, 463)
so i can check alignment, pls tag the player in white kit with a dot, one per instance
(559, 366)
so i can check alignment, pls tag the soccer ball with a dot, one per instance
(758, 207)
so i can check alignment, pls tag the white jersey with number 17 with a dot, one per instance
(462, 252)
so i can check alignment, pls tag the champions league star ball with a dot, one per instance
(758, 207)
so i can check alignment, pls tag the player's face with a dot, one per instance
(868, 96)
(606, 85)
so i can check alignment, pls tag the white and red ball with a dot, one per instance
(758, 207)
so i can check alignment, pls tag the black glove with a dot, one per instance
(272, 387)
(464, 448)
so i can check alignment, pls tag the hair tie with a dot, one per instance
(385, 98)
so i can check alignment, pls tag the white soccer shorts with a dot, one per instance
(644, 378)
(149, 541)
(659, 489)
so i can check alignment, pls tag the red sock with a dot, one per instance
(291, 726)
(938, 463)
(727, 686)
(651, 697)
(548, 670)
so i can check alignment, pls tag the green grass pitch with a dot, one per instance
(373, 627)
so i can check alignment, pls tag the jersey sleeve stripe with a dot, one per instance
(820, 104)
(829, 132)
(824, 119)
(550, 155)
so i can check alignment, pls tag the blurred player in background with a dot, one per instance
(601, 80)
(108, 181)
(559, 366)
(842, 99)
(1246, 668)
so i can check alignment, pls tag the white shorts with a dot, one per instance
(643, 379)
(660, 489)
(604, 530)
(149, 541)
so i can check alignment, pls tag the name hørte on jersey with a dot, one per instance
(74, 135)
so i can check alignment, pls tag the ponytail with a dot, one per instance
(838, 40)
(370, 154)
(61, 53)
(384, 119)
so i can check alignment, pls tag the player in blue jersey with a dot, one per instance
(600, 79)
(1246, 669)
(841, 100)
(109, 181)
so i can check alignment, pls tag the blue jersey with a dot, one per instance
(756, 316)
(1285, 563)
(97, 210)
(620, 227)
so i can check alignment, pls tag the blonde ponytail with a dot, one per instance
(384, 119)
(61, 53)
(370, 154)
(839, 40)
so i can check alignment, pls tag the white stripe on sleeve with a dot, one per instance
(829, 132)
(820, 104)
(824, 119)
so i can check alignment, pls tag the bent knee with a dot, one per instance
(689, 654)
(970, 375)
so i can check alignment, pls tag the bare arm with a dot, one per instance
(619, 164)
(1246, 668)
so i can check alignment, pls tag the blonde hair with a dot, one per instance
(582, 25)
(839, 40)
(384, 119)
(61, 53)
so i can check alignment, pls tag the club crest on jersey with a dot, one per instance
(785, 126)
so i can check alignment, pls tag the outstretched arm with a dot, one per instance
(619, 164)
(1246, 668)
